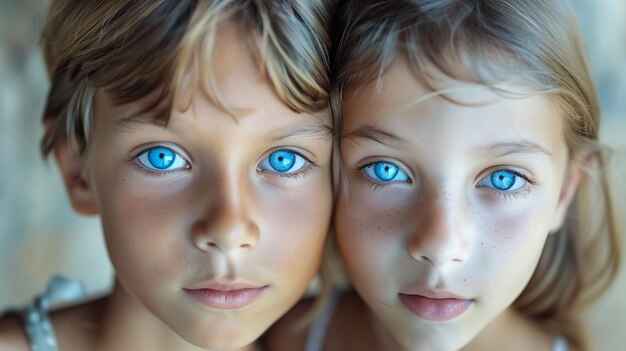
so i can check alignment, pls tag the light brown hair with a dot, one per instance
(136, 48)
(488, 42)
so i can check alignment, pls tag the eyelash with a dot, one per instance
(133, 160)
(296, 175)
(517, 194)
(374, 185)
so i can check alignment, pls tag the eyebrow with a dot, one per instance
(373, 133)
(317, 130)
(510, 148)
(126, 124)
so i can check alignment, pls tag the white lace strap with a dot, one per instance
(36, 322)
(317, 333)
(559, 343)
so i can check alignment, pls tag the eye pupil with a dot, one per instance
(282, 160)
(385, 171)
(161, 158)
(503, 180)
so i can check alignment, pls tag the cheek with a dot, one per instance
(294, 225)
(508, 245)
(519, 228)
(143, 225)
(375, 215)
(371, 232)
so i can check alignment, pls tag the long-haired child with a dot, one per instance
(474, 210)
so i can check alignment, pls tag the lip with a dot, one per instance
(435, 306)
(226, 295)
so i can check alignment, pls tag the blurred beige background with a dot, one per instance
(41, 236)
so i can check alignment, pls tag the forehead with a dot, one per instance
(237, 87)
(454, 112)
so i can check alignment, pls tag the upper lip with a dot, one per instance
(225, 285)
(434, 294)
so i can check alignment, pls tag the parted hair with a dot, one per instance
(536, 43)
(132, 49)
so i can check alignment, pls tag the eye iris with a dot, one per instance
(502, 180)
(161, 158)
(282, 161)
(385, 171)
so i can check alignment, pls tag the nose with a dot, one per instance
(228, 223)
(440, 232)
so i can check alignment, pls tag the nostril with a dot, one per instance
(427, 260)
(211, 244)
(245, 246)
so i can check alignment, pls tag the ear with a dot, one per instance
(574, 175)
(71, 165)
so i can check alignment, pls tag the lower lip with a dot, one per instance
(434, 309)
(232, 299)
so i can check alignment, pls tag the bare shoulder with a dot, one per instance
(76, 327)
(73, 327)
(288, 333)
(12, 336)
(350, 328)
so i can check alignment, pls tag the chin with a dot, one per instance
(433, 345)
(212, 338)
(432, 340)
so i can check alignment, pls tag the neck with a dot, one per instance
(384, 339)
(128, 325)
(512, 329)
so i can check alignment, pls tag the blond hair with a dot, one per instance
(135, 48)
(487, 42)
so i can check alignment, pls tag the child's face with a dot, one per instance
(445, 207)
(214, 223)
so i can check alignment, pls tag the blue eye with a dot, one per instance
(161, 159)
(502, 180)
(385, 172)
(283, 161)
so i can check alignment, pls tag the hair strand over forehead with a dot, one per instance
(132, 49)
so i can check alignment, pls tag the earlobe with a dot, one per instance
(575, 174)
(71, 166)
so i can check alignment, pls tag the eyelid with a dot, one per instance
(527, 176)
(370, 161)
(290, 177)
(138, 151)
(298, 151)
(145, 147)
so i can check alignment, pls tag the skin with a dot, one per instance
(445, 229)
(221, 217)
